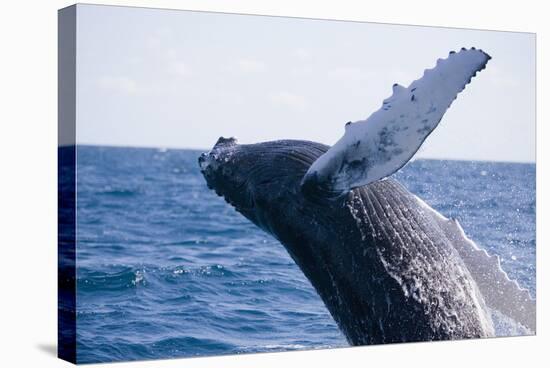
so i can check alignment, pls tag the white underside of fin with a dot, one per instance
(375, 148)
(499, 291)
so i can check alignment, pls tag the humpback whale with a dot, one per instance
(388, 267)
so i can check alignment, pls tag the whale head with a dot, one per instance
(225, 169)
(258, 178)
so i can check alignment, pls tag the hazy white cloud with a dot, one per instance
(171, 53)
(302, 54)
(348, 73)
(288, 99)
(302, 70)
(180, 68)
(231, 97)
(120, 84)
(251, 66)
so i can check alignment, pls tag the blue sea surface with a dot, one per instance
(165, 268)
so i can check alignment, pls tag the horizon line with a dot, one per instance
(208, 149)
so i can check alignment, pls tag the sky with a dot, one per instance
(179, 79)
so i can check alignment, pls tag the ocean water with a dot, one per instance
(165, 268)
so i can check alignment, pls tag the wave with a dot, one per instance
(110, 281)
(506, 326)
(121, 277)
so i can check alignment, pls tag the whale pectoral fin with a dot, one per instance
(377, 147)
(498, 290)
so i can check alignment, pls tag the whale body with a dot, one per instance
(387, 266)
